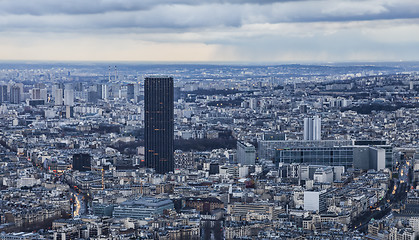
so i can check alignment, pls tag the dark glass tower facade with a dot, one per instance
(3, 93)
(130, 92)
(15, 97)
(159, 132)
(82, 162)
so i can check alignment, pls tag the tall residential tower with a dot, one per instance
(159, 132)
(312, 128)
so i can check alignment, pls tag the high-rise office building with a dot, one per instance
(36, 93)
(44, 94)
(82, 162)
(312, 128)
(246, 153)
(58, 97)
(3, 93)
(130, 92)
(99, 91)
(92, 96)
(15, 96)
(69, 97)
(105, 92)
(54, 90)
(37, 96)
(159, 130)
(78, 86)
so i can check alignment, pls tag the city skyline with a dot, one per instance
(223, 119)
(268, 31)
(75, 153)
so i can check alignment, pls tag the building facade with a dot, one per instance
(246, 153)
(267, 148)
(142, 208)
(159, 131)
(360, 157)
(315, 201)
(312, 128)
(3, 93)
(82, 162)
(15, 97)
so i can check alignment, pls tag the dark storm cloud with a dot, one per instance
(100, 15)
(221, 30)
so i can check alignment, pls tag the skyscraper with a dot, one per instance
(15, 97)
(159, 131)
(59, 97)
(312, 128)
(3, 93)
(36, 93)
(105, 92)
(130, 92)
(69, 97)
(99, 91)
(81, 162)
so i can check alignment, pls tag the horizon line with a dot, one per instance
(256, 63)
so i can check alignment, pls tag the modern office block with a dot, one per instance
(360, 157)
(368, 157)
(246, 153)
(101, 209)
(69, 111)
(323, 175)
(44, 94)
(312, 128)
(81, 162)
(15, 96)
(78, 86)
(69, 97)
(130, 92)
(3, 93)
(99, 91)
(315, 201)
(267, 148)
(92, 96)
(35, 102)
(36, 93)
(328, 156)
(379, 144)
(59, 98)
(273, 136)
(327, 152)
(105, 92)
(159, 132)
(142, 208)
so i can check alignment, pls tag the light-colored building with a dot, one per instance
(58, 97)
(69, 97)
(312, 128)
(246, 153)
(323, 175)
(315, 201)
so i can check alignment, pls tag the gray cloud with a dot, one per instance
(246, 29)
(82, 15)
(46, 7)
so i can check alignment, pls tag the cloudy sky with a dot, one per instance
(210, 30)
